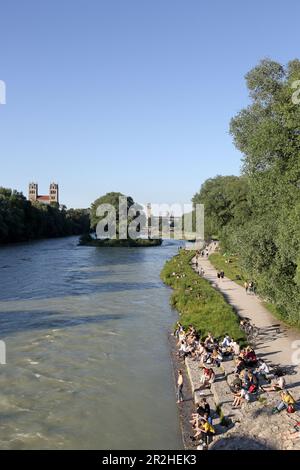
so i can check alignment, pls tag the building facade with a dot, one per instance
(53, 197)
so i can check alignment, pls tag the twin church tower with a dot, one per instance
(33, 194)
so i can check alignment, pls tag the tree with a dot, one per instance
(112, 199)
(225, 200)
(268, 134)
(22, 220)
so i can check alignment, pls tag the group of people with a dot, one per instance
(209, 351)
(199, 269)
(251, 375)
(203, 253)
(202, 424)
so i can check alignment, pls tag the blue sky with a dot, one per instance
(130, 95)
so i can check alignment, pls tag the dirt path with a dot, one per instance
(276, 343)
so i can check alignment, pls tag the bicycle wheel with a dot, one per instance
(255, 331)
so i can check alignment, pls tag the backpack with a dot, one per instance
(291, 409)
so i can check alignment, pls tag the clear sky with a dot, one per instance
(130, 95)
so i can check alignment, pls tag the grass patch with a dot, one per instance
(230, 266)
(197, 301)
(277, 313)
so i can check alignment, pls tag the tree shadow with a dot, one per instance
(78, 288)
(240, 443)
(22, 321)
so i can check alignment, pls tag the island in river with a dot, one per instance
(88, 240)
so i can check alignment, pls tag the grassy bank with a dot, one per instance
(197, 301)
(230, 266)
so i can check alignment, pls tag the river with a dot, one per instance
(87, 354)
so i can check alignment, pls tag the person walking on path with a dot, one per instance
(179, 387)
(246, 285)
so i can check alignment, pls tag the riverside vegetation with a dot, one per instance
(197, 301)
(114, 218)
(256, 216)
(21, 220)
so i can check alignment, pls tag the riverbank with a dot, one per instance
(252, 426)
(197, 302)
(186, 408)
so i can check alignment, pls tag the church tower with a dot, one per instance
(53, 193)
(33, 192)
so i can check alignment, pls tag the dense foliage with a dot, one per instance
(257, 215)
(225, 200)
(22, 220)
(88, 240)
(114, 217)
(197, 301)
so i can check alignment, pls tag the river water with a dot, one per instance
(87, 354)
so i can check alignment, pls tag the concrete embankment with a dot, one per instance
(253, 426)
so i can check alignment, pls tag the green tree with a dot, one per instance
(225, 200)
(268, 134)
(22, 220)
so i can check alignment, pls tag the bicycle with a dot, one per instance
(251, 330)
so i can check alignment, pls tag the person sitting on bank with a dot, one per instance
(238, 399)
(226, 342)
(202, 408)
(207, 378)
(287, 402)
(184, 350)
(178, 329)
(206, 431)
(240, 365)
(200, 352)
(235, 348)
(263, 370)
(252, 382)
(181, 336)
(277, 384)
(236, 384)
(216, 357)
(209, 341)
(250, 357)
(208, 418)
